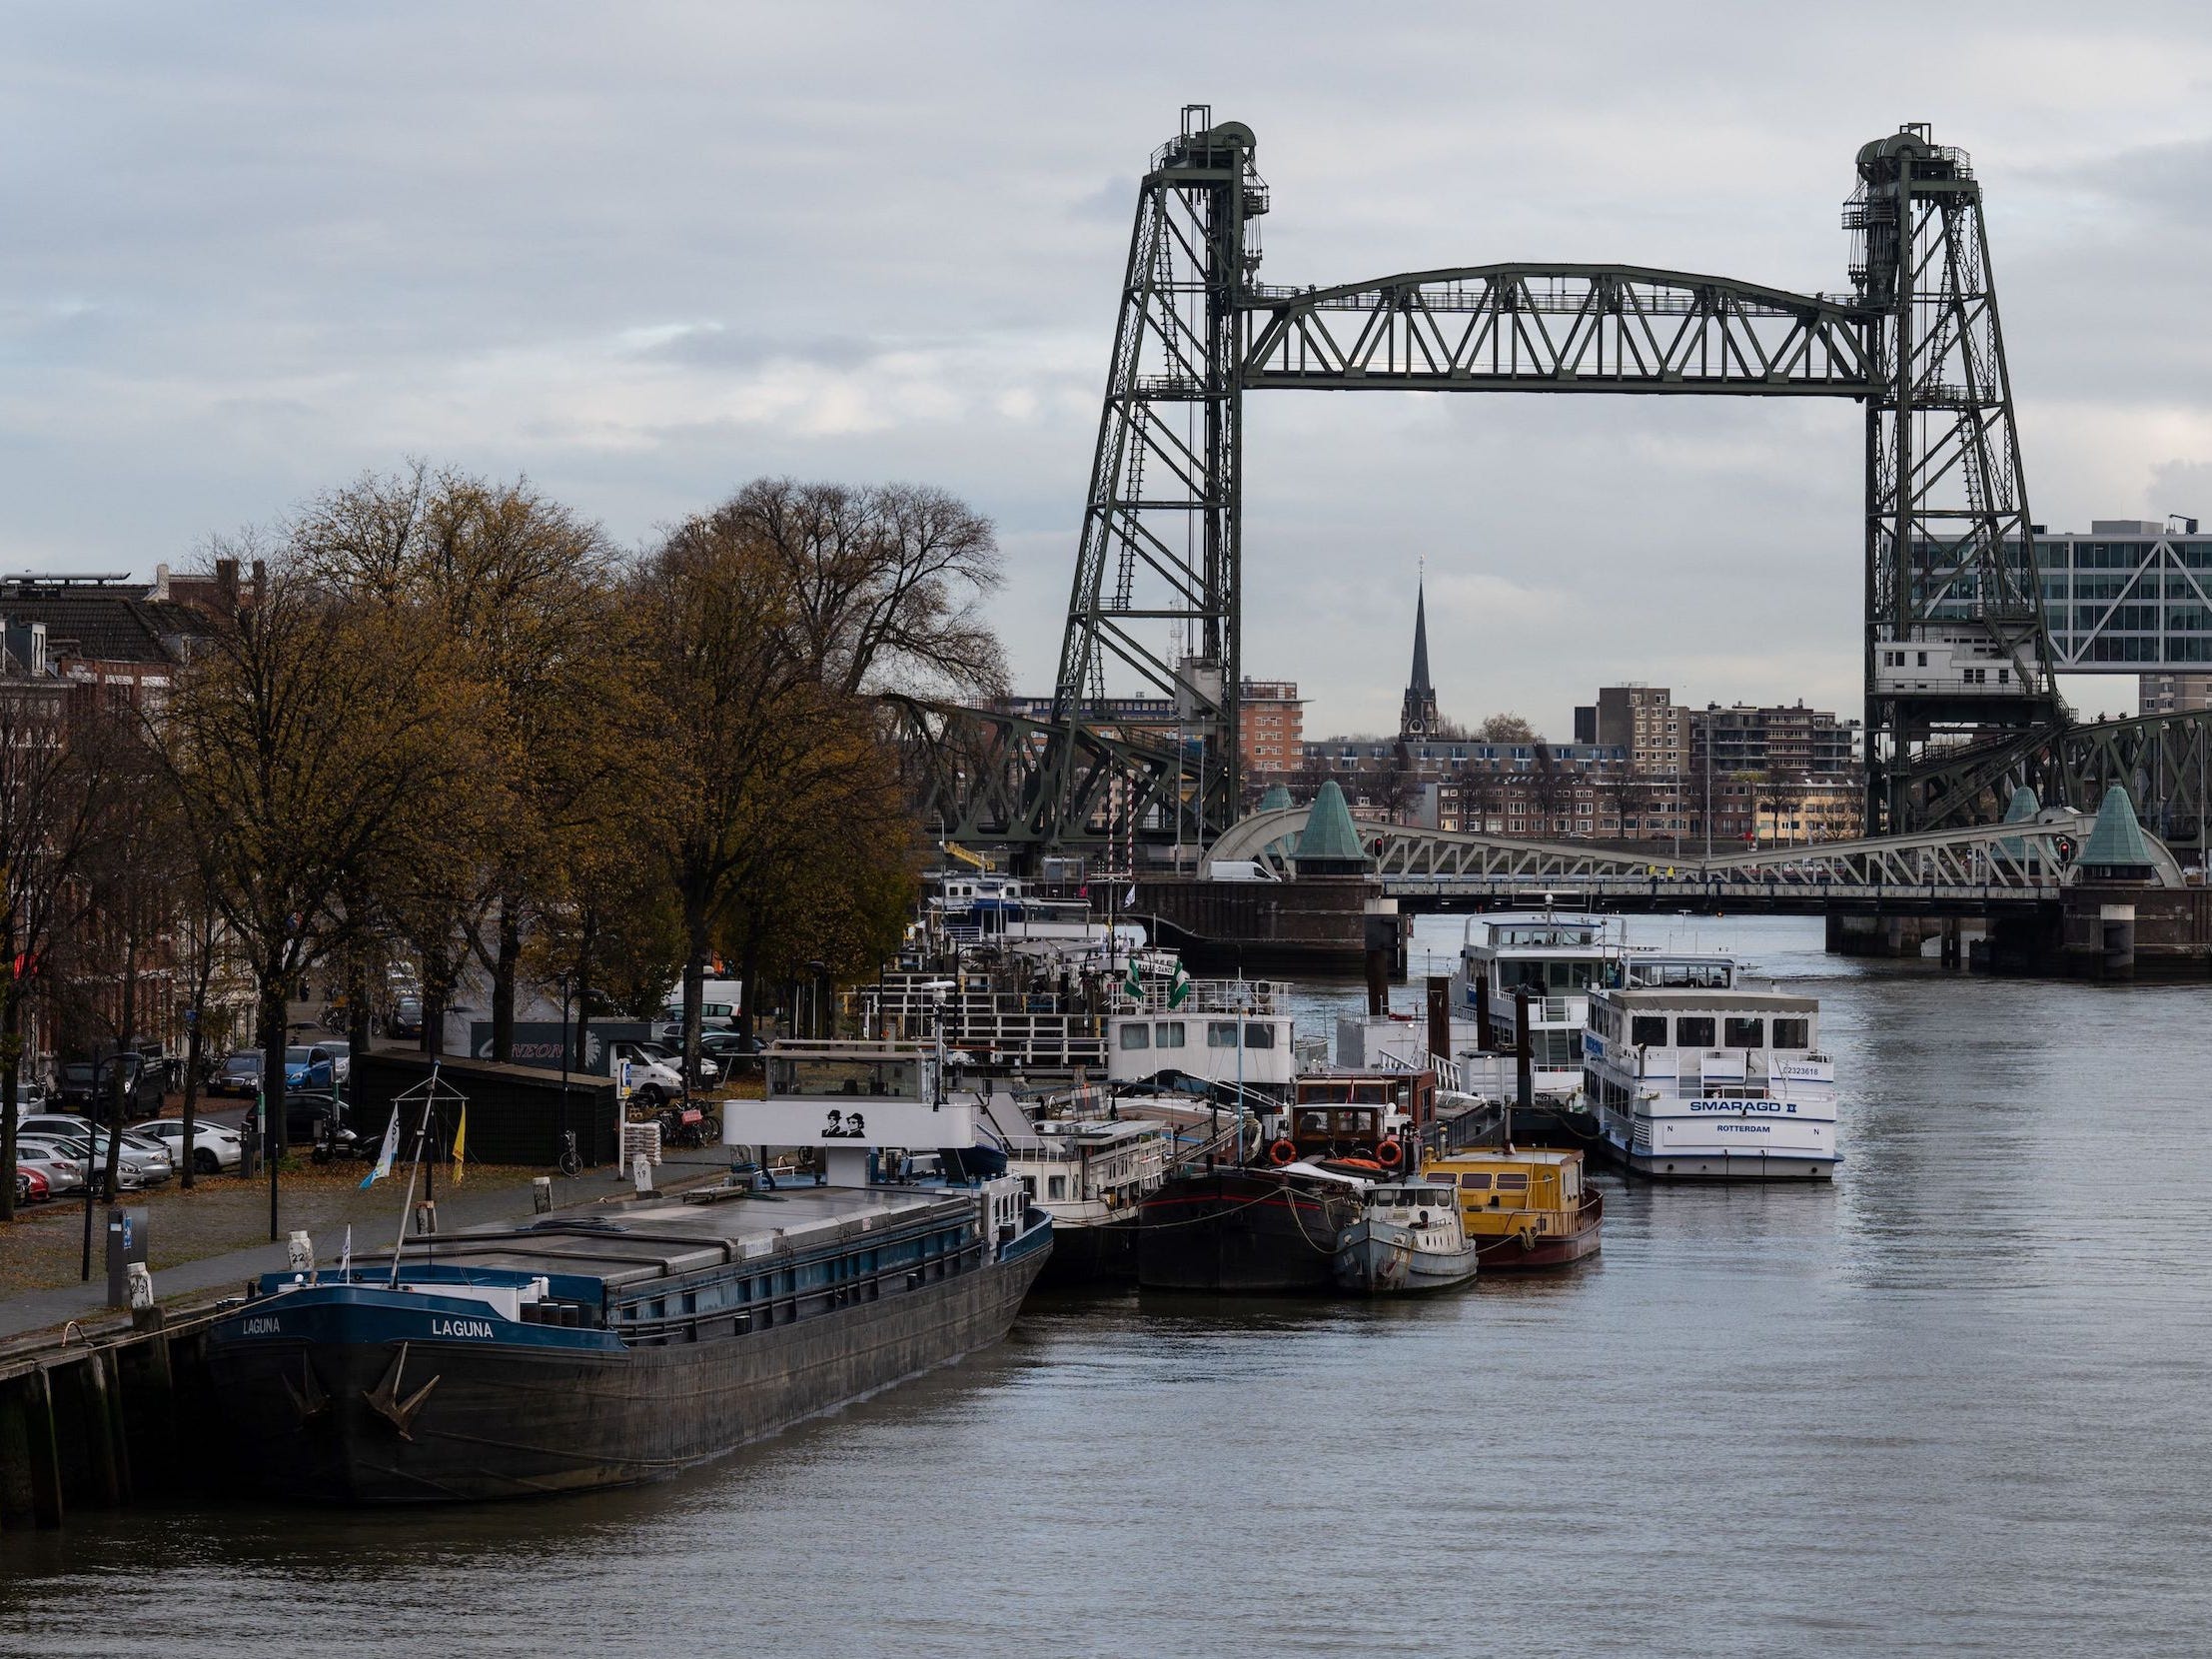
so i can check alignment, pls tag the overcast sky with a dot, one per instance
(644, 251)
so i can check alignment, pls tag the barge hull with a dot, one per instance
(503, 1420)
(1238, 1231)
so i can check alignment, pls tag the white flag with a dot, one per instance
(387, 1152)
(345, 1256)
(1129, 901)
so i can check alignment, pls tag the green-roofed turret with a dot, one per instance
(1275, 800)
(2116, 850)
(1331, 844)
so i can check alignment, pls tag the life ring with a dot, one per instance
(1389, 1155)
(1280, 1153)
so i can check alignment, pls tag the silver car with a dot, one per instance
(63, 1172)
(134, 1166)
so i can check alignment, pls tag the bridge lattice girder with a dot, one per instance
(2021, 858)
(1557, 327)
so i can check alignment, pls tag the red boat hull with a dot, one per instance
(1511, 1254)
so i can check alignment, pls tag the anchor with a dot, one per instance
(310, 1402)
(385, 1396)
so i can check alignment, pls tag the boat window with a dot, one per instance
(1476, 1183)
(1168, 1034)
(1792, 1033)
(1136, 1036)
(1513, 1182)
(1221, 1033)
(1744, 1034)
(1694, 1030)
(1648, 1031)
(1056, 1186)
(882, 1078)
(1257, 1035)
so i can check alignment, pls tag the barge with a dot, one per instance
(624, 1345)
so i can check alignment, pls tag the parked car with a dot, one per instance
(240, 1075)
(54, 1123)
(306, 1113)
(310, 1066)
(31, 1186)
(89, 1086)
(61, 1172)
(341, 1052)
(713, 1016)
(670, 1054)
(215, 1148)
(29, 1096)
(133, 1170)
(407, 1016)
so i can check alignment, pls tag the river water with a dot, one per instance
(1961, 1402)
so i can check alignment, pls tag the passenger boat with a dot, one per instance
(1407, 1239)
(1231, 1035)
(1722, 1084)
(1525, 1207)
(609, 1348)
(1273, 1225)
(1548, 964)
(1091, 1176)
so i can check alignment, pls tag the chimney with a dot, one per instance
(226, 584)
(261, 578)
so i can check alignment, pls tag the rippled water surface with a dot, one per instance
(1961, 1402)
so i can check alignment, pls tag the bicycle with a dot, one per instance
(569, 1163)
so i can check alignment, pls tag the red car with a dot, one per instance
(30, 1187)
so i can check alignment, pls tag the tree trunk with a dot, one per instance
(749, 988)
(434, 1019)
(190, 1094)
(272, 1082)
(502, 983)
(11, 1064)
(694, 981)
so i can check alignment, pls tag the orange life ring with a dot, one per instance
(1389, 1155)
(1280, 1153)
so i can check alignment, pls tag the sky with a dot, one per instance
(644, 252)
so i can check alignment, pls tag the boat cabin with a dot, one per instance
(1507, 1185)
(845, 1101)
(1351, 1115)
(1232, 1033)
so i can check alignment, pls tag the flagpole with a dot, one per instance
(421, 1134)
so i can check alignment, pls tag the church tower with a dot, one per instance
(1417, 719)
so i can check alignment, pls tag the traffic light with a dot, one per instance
(2066, 849)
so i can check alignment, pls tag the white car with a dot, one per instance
(215, 1149)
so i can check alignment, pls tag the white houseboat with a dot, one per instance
(1711, 1083)
(1232, 1034)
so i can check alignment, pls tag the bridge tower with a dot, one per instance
(1957, 651)
(1158, 565)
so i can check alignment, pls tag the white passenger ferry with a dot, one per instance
(1558, 960)
(1712, 1082)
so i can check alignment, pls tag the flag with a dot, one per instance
(346, 1256)
(1129, 899)
(387, 1152)
(1134, 985)
(1179, 987)
(461, 1143)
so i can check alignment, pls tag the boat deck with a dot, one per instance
(661, 1238)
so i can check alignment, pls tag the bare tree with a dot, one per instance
(1505, 729)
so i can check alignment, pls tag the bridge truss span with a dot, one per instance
(2030, 859)
(1556, 328)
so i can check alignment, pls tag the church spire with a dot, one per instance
(1417, 717)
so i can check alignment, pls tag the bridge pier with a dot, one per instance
(1852, 935)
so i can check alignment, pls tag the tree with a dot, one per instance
(884, 583)
(767, 773)
(308, 740)
(528, 596)
(51, 795)
(1505, 729)
(1551, 788)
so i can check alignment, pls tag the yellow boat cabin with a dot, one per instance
(1525, 1209)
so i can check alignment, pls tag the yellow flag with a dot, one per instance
(461, 1143)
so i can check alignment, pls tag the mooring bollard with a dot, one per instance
(299, 1254)
(426, 1216)
(142, 1293)
(540, 1194)
(640, 1173)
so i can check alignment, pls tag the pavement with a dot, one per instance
(227, 1272)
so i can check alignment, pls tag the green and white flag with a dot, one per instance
(1179, 987)
(1134, 985)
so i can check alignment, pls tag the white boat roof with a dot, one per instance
(1721, 1002)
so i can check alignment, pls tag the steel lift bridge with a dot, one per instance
(1961, 705)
